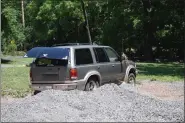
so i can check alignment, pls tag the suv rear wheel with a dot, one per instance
(36, 92)
(131, 78)
(91, 85)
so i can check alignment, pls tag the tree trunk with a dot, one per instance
(86, 21)
(149, 30)
(23, 22)
(22, 7)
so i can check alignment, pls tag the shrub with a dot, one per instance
(11, 48)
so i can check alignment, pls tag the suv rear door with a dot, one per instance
(102, 65)
(83, 61)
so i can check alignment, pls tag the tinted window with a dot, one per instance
(100, 55)
(83, 56)
(111, 54)
(50, 62)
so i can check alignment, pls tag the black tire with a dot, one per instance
(91, 84)
(36, 92)
(131, 78)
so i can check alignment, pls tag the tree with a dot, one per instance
(147, 29)
(12, 30)
(86, 22)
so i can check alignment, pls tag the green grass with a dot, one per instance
(168, 72)
(19, 61)
(15, 81)
(22, 61)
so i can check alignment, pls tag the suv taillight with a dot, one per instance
(73, 74)
(31, 75)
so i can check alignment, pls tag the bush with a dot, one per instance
(11, 48)
(20, 53)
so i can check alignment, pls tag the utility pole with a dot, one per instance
(86, 22)
(22, 7)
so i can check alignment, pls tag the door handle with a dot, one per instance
(98, 67)
(112, 65)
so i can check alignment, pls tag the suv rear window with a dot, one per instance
(50, 62)
(83, 56)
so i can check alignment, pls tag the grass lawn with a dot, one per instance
(168, 72)
(18, 61)
(22, 61)
(15, 81)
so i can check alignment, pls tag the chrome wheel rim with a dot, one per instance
(131, 80)
(91, 86)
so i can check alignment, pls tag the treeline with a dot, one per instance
(143, 29)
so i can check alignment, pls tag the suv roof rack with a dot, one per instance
(72, 44)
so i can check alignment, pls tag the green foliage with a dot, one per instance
(12, 30)
(152, 28)
(11, 48)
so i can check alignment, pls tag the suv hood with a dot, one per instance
(130, 62)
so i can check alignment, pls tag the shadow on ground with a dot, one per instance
(5, 61)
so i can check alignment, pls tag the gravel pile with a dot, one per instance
(110, 103)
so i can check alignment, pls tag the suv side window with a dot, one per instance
(100, 55)
(83, 56)
(111, 54)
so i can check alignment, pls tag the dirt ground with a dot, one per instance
(9, 99)
(162, 91)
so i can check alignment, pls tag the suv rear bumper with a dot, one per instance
(80, 85)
